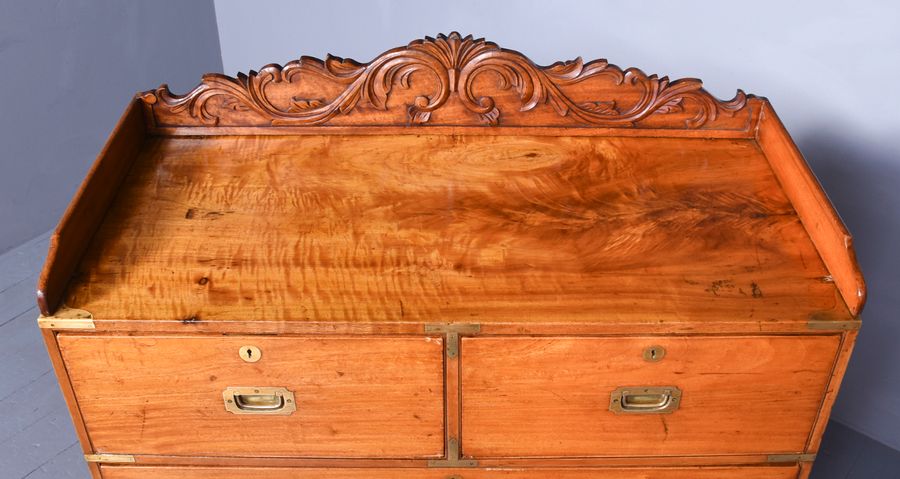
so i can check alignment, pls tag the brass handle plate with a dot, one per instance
(645, 400)
(258, 400)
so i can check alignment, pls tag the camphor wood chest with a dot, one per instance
(450, 263)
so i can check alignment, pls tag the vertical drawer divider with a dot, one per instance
(452, 333)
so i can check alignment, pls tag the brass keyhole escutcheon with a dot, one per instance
(250, 354)
(654, 353)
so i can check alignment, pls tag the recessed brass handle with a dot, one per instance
(259, 400)
(645, 400)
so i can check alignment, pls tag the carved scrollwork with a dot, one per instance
(454, 63)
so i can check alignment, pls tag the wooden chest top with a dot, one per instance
(475, 188)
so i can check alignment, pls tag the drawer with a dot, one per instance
(746, 472)
(375, 397)
(551, 397)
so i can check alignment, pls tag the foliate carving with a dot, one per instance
(453, 63)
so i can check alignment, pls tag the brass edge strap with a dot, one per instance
(820, 325)
(459, 328)
(791, 458)
(114, 458)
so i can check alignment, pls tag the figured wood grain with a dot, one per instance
(827, 231)
(549, 397)
(434, 229)
(86, 211)
(355, 397)
(754, 472)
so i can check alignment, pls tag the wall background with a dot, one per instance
(828, 66)
(69, 69)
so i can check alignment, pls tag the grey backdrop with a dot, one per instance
(828, 66)
(69, 69)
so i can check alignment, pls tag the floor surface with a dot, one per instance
(37, 440)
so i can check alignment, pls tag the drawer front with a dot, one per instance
(352, 397)
(747, 472)
(551, 397)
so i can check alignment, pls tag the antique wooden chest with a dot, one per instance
(450, 262)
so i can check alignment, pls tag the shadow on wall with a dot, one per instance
(863, 181)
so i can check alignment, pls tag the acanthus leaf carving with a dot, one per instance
(674, 105)
(601, 107)
(300, 104)
(454, 63)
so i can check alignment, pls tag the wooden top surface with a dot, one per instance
(438, 228)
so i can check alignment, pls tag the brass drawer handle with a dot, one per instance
(259, 400)
(645, 400)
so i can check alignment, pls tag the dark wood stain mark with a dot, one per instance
(192, 213)
(757, 293)
(722, 285)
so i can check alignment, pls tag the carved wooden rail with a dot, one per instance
(449, 80)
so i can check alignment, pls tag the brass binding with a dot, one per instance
(820, 325)
(113, 458)
(791, 458)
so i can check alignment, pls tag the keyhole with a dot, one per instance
(654, 353)
(250, 354)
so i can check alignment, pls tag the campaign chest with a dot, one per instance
(450, 263)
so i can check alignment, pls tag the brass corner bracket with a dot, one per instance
(453, 332)
(67, 318)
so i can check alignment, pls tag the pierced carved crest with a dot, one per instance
(439, 72)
